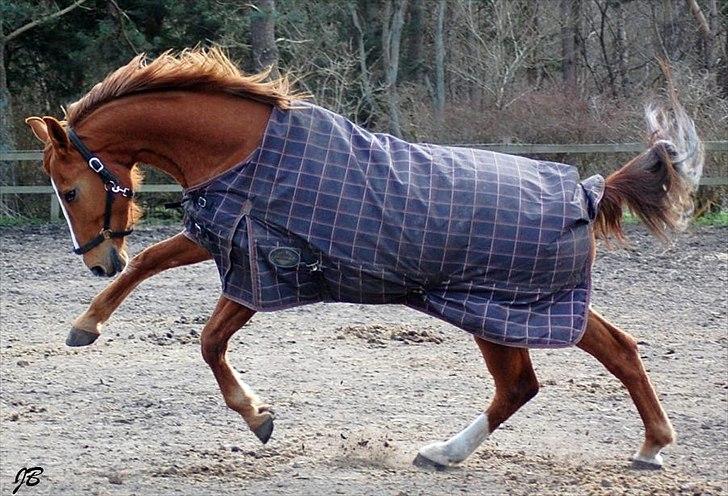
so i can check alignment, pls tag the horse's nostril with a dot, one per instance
(117, 263)
(98, 270)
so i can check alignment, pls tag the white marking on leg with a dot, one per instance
(242, 397)
(460, 446)
(652, 458)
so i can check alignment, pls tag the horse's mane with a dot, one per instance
(198, 69)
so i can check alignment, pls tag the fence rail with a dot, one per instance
(513, 148)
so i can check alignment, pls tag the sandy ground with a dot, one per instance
(356, 389)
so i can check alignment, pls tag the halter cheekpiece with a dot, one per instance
(112, 186)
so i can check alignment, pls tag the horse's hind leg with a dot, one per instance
(225, 321)
(617, 351)
(515, 384)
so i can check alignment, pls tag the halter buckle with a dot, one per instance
(105, 233)
(96, 165)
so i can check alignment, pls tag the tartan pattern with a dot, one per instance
(495, 244)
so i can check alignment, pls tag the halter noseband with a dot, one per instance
(113, 187)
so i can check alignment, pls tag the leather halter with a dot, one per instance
(112, 186)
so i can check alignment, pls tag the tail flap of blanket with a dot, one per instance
(593, 191)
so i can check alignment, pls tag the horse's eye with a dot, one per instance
(69, 195)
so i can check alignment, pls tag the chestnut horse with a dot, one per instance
(195, 116)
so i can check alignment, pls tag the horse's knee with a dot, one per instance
(139, 263)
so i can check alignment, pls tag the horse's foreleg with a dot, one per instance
(227, 318)
(515, 384)
(173, 252)
(617, 351)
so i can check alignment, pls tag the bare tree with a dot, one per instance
(621, 47)
(496, 46)
(7, 136)
(706, 35)
(262, 36)
(416, 40)
(440, 66)
(535, 70)
(364, 76)
(723, 71)
(570, 10)
(602, 36)
(393, 20)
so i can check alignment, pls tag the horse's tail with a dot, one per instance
(657, 185)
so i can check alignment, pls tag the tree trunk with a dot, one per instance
(569, 26)
(603, 45)
(393, 19)
(440, 67)
(262, 36)
(6, 121)
(367, 90)
(416, 40)
(622, 49)
(534, 68)
(723, 71)
(706, 36)
(7, 136)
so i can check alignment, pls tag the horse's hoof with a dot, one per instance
(642, 462)
(424, 462)
(79, 337)
(264, 430)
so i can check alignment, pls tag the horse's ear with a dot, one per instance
(56, 133)
(39, 129)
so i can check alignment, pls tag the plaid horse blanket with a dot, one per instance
(324, 210)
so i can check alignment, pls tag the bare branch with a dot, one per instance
(43, 20)
(699, 18)
(120, 15)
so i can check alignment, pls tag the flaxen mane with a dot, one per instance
(197, 69)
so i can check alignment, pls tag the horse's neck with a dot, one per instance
(190, 136)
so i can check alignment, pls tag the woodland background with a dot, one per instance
(446, 71)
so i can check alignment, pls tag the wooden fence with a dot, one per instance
(512, 148)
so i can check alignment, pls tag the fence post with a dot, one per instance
(55, 208)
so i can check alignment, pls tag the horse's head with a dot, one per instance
(98, 208)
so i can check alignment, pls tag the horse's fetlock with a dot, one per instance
(234, 405)
(89, 321)
(663, 436)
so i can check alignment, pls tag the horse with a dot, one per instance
(195, 116)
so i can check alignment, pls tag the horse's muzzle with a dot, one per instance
(116, 263)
